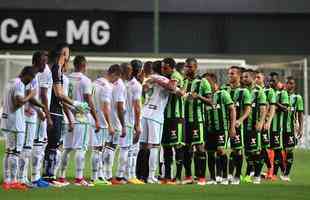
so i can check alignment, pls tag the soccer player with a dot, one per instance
(33, 110)
(198, 92)
(45, 83)
(102, 95)
(276, 143)
(221, 119)
(157, 88)
(173, 131)
(253, 126)
(117, 121)
(242, 102)
(267, 153)
(61, 54)
(79, 90)
(13, 125)
(293, 121)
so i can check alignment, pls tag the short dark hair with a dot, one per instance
(191, 60)
(212, 76)
(115, 69)
(54, 54)
(156, 66)
(236, 68)
(250, 71)
(36, 56)
(180, 65)
(136, 67)
(124, 67)
(290, 78)
(27, 71)
(274, 74)
(169, 61)
(79, 59)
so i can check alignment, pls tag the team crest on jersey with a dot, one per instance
(237, 138)
(253, 141)
(195, 133)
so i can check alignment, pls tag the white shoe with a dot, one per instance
(212, 182)
(256, 180)
(152, 180)
(235, 181)
(230, 178)
(285, 178)
(218, 179)
(252, 174)
(224, 181)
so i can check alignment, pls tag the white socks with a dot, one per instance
(23, 163)
(108, 159)
(10, 167)
(96, 160)
(132, 160)
(122, 162)
(64, 162)
(153, 161)
(37, 159)
(79, 163)
(58, 161)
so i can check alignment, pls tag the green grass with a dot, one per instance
(299, 188)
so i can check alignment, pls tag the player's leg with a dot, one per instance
(109, 154)
(179, 160)
(258, 159)
(188, 154)
(210, 146)
(168, 160)
(221, 146)
(289, 142)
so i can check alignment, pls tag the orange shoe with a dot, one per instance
(114, 181)
(6, 186)
(274, 178)
(269, 174)
(167, 182)
(18, 186)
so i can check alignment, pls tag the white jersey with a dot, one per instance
(65, 88)
(45, 80)
(31, 114)
(13, 119)
(155, 104)
(118, 95)
(102, 93)
(134, 92)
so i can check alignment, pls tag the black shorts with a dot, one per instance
(276, 140)
(289, 140)
(194, 133)
(237, 141)
(215, 140)
(252, 141)
(173, 132)
(54, 133)
(265, 139)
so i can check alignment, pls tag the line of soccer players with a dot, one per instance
(143, 110)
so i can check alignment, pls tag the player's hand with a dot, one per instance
(194, 95)
(111, 130)
(97, 126)
(267, 126)
(32, 93)
(299, 133)
(71, 127)
(123, 134)
(136, 136)
(238, 123)
(232, 132)
(29, 112)
(41, 115)
(259, 126)
(49, 122)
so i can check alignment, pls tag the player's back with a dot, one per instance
(101, 92)
(79, 85)
(12, 117)
(155, 104)
(134, 92)
(118, 95)
(45, 80)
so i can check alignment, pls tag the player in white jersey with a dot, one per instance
(13, 125)
(80, 89)
(126, 167)
(34, 110)
(158, 88)
(117, 122)
(102, 95)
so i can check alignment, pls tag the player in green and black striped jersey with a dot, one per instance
(292, 125)
(282, 101)
(220, 121)
(267, 153)
(198, 94)
(242, 101)
(173, 131)
(253, 125)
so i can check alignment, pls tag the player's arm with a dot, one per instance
(44, 100)
(106, 110)
(300, 116)
(136, 102)
(284, 101)
(88, 98)
(206, 95)
(262, 116)
(246, 113)
(121, 116)
(232, 120)
(59, 93)
(69, 115)
(19, 98)
(269, 115)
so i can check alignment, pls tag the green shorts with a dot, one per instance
(173, 132)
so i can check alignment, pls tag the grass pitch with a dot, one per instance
(298, 189)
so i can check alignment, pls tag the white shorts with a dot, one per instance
(30, 133)
(127, 141)
(41, 132)
(78, 138)
(14, 141)
(98, 139)
(114, 139)
(152, 131)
